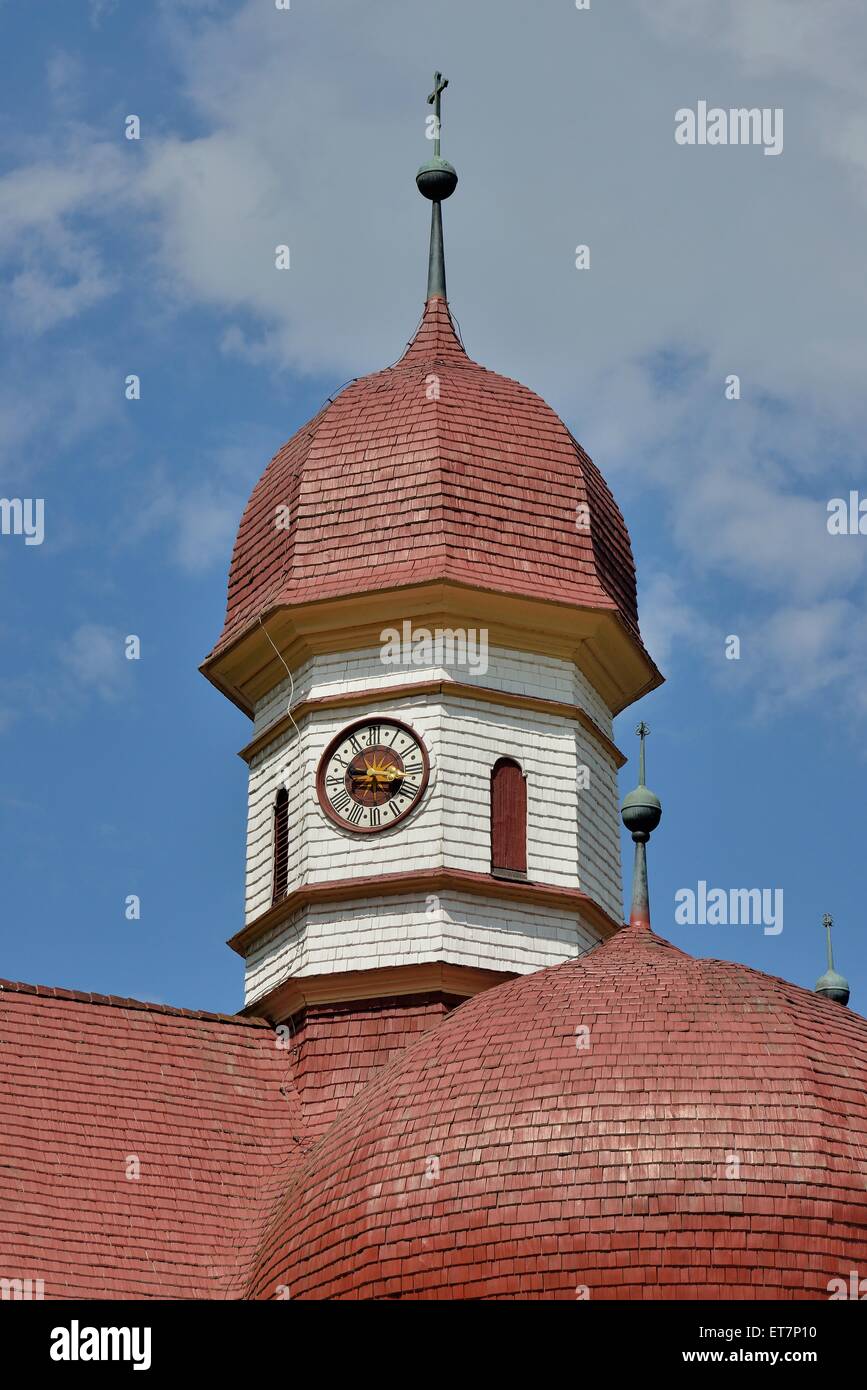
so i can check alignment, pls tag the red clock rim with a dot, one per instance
(335, 743)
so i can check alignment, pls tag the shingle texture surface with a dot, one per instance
(338, 1048)
(434, 469)
(91, 1085)
(709, 1140)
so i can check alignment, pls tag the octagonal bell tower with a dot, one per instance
(431, 622)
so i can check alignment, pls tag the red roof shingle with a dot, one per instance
(434, 469)
(710, 1141)
(205, 1102)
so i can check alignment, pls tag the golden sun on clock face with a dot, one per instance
(372, 775)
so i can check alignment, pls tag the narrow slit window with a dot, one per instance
(508, 819)
(281, 845)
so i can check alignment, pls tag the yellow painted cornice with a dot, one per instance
(596, 639)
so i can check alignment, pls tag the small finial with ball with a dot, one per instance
(641, 813)
(437, 180)
(832, 984)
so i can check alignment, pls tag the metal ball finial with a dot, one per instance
(832, 985)
(641, 811)
(436, 180)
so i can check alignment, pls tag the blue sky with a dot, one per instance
(156, 257)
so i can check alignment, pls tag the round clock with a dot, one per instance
(372, 775)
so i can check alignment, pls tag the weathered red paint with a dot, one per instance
(635, 1123)
(508, 816)
(433, 469)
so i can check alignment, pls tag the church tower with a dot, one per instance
(431, 622)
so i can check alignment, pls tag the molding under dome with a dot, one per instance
(431, 977)
(595, 639)
(425, 881)
(374, 695)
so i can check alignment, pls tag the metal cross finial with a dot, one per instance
(436, 180)
(440, 84)
(827, 923)
(832, 985)
(642, 730)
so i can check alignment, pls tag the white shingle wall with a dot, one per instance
(319, 850)
(572, 835)
(374, 932)
(520, 673)
(598, 826)
(475, 735)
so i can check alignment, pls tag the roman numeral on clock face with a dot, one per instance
(372, 774)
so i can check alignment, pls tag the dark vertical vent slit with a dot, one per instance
(281, 845)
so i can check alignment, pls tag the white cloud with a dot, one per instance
(671, 624)
(65, 79)
(38, 299)
(820, 42)
(52, 213)
(87, 665)
(733, 522)
(53, 404)
(99, 9)
(808, 653)
(36, 198)
(94, 660)
(198, 521)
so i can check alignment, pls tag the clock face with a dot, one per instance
(372, 775)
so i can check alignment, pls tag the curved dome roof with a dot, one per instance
(496, 1157)
(434, 469)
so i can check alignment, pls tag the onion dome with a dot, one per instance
(432, 469)
(632, 1124)
(437, 471)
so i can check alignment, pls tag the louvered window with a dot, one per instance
(281, 845)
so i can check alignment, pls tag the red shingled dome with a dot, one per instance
(432, 469)
(496, 1157)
